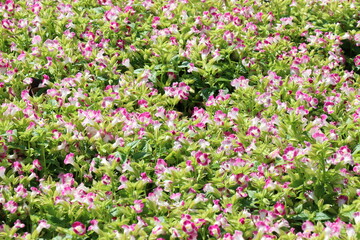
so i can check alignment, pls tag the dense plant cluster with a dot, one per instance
(180, 119)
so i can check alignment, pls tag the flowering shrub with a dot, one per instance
(179, 119)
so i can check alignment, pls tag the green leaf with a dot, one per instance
(140, 155)
(356, 150)
(320, 216)
(251, 193)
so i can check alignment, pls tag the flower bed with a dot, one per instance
(179, 119)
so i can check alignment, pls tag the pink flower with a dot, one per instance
(307, 227)
(114, 26)
(219, 117)
(332, 230)
(357, 61)
(240, 82)
(189, 227)
(263, 227)
(173, 41)
(240, 192)
(69, 159)
(202, 158)
(21, 191)
(106, 180)
(356, 216)
(192, 68)
(126, 63)
(17, 166)
(18, 224)
(179, 90)
(253, 131)
(342, 200)
(238, 235)
(279, 209)
(36, 40)
(242, 179)
(290, 153)
(11, 206)
(2, 171)
(94, 226)
(320, 137)
(145, 178)
(138, 206)
(79, 228)
(37, 165)
(56, 134)
(329, 107)
(214, 231)
(174, 233)
(157, 230)
(42, 224)
(105, 2)
(143, 103)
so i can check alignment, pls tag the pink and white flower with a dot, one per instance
(79, 228)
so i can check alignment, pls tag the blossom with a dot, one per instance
(279, 209)
(11, 206)
(320, 137)
(356, 216)
(342, 200)
(79, 228)
(18, 224)
(42, 225)
(106, 179)
(21, 191)
(69, 159)
(192, 68)
(253, 131)
(189, 227)
(308, 226)
(357, 61)
(138, 206)
(36, 164)
(2, 172)
(202, 158)
(240, 82)
(179, 90)
(214, 230)
(94, 226)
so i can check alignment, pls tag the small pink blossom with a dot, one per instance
(320, 137)
(36, 164)
(357, 61)
(2, 172)
(138, 206)
(189, 227)
(94, 226)
(11, 206)
(202, 158)
(106, 179)
(143, 103)
(69, 159)
(240, 82)
(342, 200)
(42, 225)
(18, 224)
(214, 231)
(279, 209)
(253, 131)
(356, 216)
(308, 226)
(79, 228)
(192, 68)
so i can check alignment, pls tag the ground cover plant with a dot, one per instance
(179, 119)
